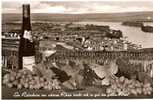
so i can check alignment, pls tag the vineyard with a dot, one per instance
(119, 79)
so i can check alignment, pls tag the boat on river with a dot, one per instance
(147, 28)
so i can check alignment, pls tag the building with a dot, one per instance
(10, 47)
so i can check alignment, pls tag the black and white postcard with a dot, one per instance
(77, 49)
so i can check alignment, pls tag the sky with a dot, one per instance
(78, 6)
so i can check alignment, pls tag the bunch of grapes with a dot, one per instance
(125, 87)
(27, 79)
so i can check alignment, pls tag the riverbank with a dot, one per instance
(132, 34)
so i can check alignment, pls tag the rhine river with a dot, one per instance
(133, 34)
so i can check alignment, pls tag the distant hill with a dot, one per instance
(128, 16)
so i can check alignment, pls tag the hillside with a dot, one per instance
(139, 16)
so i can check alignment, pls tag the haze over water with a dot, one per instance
(133, 34)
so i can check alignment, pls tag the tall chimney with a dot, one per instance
(27, 47)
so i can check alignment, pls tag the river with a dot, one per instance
(133, 34)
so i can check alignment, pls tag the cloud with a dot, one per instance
(127, 9)
(10, 10)
(75, 7)
(55, 9)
